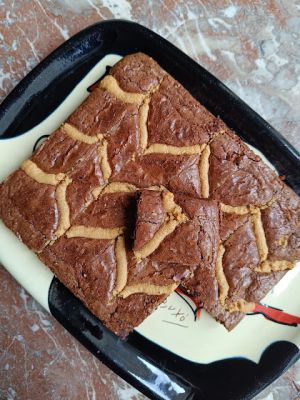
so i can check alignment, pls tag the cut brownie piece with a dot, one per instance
(93, 259)
(63, 150)
(200, 231)
(177, 119)
(282, 226)
(137, 73)
(101, 113)
(237, 176)
(178, 173)
(150, 217)
(29, 209)
(203, 285)
(48, 200)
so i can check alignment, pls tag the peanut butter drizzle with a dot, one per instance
(148, 288)
(110, 84)
(63, 207)
(34, 172)
(89, 232)
(75, 134)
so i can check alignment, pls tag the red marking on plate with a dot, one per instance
(197, 311)
(276, 315)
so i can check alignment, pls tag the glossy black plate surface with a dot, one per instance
(153, 370)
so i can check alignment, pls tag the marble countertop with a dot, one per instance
(252, 46)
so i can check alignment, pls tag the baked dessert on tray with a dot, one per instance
(141, 190)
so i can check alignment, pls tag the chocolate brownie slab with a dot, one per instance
(238, 229)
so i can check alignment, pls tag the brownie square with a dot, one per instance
(48, 201)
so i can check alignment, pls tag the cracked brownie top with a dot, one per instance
(143, 189)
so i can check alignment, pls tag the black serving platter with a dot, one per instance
(155, 371)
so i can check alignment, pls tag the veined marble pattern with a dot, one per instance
(252, 46)
(39, 359)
